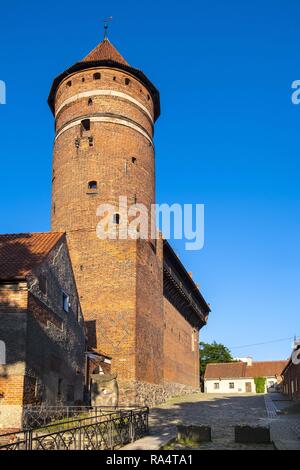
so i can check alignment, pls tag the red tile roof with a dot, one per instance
(226, 370)
(235, 370)
(265, 369)
(21, 252)
(105, 51)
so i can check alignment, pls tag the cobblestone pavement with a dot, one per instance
(285, 429)
(222, 413)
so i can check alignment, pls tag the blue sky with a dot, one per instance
(228, 137)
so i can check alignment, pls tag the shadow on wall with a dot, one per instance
(91, 333)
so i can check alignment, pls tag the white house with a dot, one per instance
(238, 377)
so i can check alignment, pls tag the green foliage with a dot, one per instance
(215, 352)
(260, 383)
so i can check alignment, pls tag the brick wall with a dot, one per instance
(291, 381)
(13, 327)
(181, 350)
(109, 160)
(55, 338)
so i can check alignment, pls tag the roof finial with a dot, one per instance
(106, 21)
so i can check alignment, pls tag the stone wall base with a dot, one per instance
(147, 394)
(10, 417)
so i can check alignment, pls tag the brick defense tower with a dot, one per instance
(105, 112)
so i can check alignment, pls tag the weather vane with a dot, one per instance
(106, 22)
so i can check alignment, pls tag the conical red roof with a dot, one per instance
(105, 51)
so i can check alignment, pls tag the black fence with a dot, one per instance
(106, 430)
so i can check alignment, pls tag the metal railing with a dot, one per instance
(106, 430)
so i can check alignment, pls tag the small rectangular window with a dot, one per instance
(86, 124)
(59, 388)
(216, 385)
(43, 284)
(66, 302)
(231, 384)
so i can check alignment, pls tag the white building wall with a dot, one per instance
(224, 385)
(239, 385)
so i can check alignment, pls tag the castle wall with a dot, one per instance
(181, 349)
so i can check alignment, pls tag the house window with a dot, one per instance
(216, 385)
(92, 185)
(43, 284)
(86, 124)
(70, 393)
(59, 388)
(97, 76)
(65, 302)
(231, 385)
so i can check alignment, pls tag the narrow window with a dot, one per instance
(133, 159)
(127, 81)
(116, 219)
(77, 143)
(90, 102)
(43, 285)
(69, 83)
(97, 76)
(91, 141)
(86, 124)
(114, 79)
(65, 302)
(59, 387)
(83, 79)
(92, 185)
(2, 353)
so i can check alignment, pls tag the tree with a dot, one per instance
(215, 352)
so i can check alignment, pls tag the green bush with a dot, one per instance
(260, 383)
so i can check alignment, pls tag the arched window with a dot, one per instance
(2, 353)
(127, 81)
(97, 76)
(116, 219)
(92, 185)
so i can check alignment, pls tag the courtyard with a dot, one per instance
(222, 413)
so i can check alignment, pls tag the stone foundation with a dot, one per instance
(147, 394)
(10, 417)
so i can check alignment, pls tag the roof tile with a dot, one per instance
(231, 370)
(20, 253)
(105, 51)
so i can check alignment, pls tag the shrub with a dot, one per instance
(260, 383)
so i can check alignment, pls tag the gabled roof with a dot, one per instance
(236, 370)
(265, 368)
(225, 370)
(22, 252)
(105, 51)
